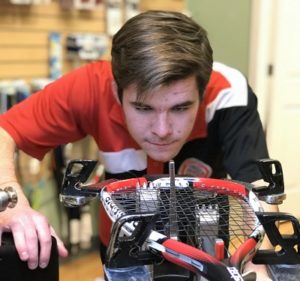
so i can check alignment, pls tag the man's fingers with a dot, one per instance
(29, 232)
(45, 241)
(32, 237)
(32, 244)
(62, 250)
(20, 242)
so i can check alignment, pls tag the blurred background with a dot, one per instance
(40, 40)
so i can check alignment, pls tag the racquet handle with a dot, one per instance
(189, 251)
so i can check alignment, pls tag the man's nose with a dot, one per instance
(161, 125)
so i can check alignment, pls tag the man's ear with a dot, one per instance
(115, 91)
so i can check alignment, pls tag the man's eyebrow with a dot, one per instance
(186, 103)
(138, 103)
(183, 104)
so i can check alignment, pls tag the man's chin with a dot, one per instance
(160, 157)
(162, 153)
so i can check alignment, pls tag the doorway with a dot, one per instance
(274, 73)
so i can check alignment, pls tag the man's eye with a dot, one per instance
(180, 108)
(143, 108)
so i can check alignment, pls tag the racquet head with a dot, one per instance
(217, 217)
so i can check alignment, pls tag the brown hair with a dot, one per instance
(155, 48)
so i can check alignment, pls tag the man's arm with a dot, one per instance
(261, 269)
(27, 226)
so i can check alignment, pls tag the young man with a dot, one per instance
(160, 98)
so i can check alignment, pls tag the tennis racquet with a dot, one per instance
(207, 226)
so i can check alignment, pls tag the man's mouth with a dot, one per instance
(160, 144)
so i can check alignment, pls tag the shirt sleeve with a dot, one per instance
(242, 139)
(56, 115)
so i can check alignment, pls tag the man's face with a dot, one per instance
(162, 121)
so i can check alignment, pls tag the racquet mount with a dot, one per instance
(128, 251)
(272, 174)
(289, 244)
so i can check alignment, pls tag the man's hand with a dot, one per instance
(29, 228)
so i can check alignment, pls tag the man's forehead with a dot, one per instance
(183, 89)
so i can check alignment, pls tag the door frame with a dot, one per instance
(260, 56)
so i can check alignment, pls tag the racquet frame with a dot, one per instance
(188, 257)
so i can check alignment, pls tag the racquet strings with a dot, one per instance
(203, 216)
